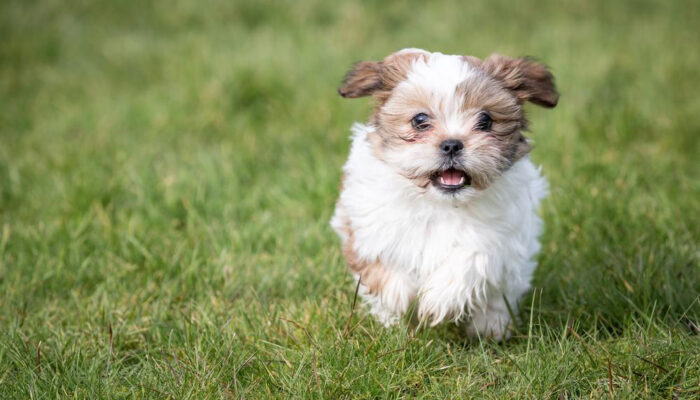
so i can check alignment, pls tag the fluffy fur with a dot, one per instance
(460, 252)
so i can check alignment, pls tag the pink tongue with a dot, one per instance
(452, 177)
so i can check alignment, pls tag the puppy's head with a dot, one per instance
(451, 124)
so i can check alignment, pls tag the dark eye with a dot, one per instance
(484, 122)
(420, 122)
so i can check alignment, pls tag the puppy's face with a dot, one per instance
(450, 124)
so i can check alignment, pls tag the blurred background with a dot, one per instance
(170, 161)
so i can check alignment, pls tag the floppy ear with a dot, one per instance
(528, 79)
(379, 78)
(363, 79)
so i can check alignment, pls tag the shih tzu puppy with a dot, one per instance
(439, 198)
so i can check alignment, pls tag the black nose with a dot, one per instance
(451, 147)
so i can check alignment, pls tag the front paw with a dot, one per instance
(490, 325)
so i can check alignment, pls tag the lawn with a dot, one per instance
(168, 170)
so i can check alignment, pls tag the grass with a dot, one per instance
(167, 171)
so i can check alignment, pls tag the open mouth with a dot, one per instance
(451, 179)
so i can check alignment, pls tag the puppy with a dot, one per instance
(439, 198)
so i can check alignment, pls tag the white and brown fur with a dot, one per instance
(460, 254)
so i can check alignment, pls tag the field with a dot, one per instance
(168, 170)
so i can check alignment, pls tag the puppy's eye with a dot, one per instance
(484, 122)
(420, 122)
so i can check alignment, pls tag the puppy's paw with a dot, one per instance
(385, 317)
(491, 325)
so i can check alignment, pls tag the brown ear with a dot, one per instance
(528, 79)
(379, 78)
(363, 79)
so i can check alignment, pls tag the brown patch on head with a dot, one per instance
(484, 94)
(527, 80)
(378, 79)
(373, 274)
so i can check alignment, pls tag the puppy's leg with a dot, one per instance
(388, 293)
(444, 295)
(493, 320)
(456, 287)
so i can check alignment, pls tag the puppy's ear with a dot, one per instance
(528, 79)
(363, 79)
(379, 78)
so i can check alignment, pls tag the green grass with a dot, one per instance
(167, 171)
